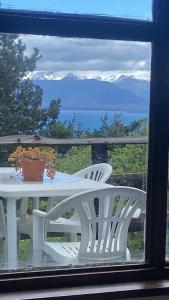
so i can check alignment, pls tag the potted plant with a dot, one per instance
(32, 161)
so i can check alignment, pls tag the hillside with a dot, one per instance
(125, 94)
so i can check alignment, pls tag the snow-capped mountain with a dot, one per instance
(125, 93)
(139, 87)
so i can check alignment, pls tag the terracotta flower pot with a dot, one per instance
(32, 169)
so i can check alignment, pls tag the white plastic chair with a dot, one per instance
(98, 172)
(104, 233)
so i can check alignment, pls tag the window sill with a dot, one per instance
(117, 291)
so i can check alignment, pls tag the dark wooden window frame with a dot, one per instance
(157, 33)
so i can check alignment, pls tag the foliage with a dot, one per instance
(116, 128)
(124, 159)
(4, 154)
(33, 153)
(139, 127)
(60, 130)
(75, 159)
(136, 240)
(129, 158)
(21, 109)
(24, 249)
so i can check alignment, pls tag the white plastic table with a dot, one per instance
(12, 187)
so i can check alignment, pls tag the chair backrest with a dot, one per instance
(98, 172)
(105, 215)
(2, 221)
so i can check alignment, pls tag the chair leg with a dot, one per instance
(3, 251)
(128, 256)
(31, 246)
(18, 241)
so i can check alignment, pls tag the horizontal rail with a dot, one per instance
(39, 140)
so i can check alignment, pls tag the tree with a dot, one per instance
(139, 127)
(21, 110)
(60, 130)
(116, 128)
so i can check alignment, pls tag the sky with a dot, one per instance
(87, 58)
(140, 9)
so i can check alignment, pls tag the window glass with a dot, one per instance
(118, 8)
(93, 97)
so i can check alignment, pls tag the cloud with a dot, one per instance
(66, 55)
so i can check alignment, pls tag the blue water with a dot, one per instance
(91, 120)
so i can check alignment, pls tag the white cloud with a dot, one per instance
(88, 57)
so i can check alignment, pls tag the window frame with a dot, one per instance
(155, 32)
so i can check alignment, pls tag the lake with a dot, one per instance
(91, 120)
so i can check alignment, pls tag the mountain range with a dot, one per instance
(126, 93)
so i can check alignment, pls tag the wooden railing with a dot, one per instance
(99, 146)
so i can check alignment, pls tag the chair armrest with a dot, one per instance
(39, 213)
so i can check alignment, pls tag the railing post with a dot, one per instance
(99, 153)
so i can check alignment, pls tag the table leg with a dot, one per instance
(11, 233)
